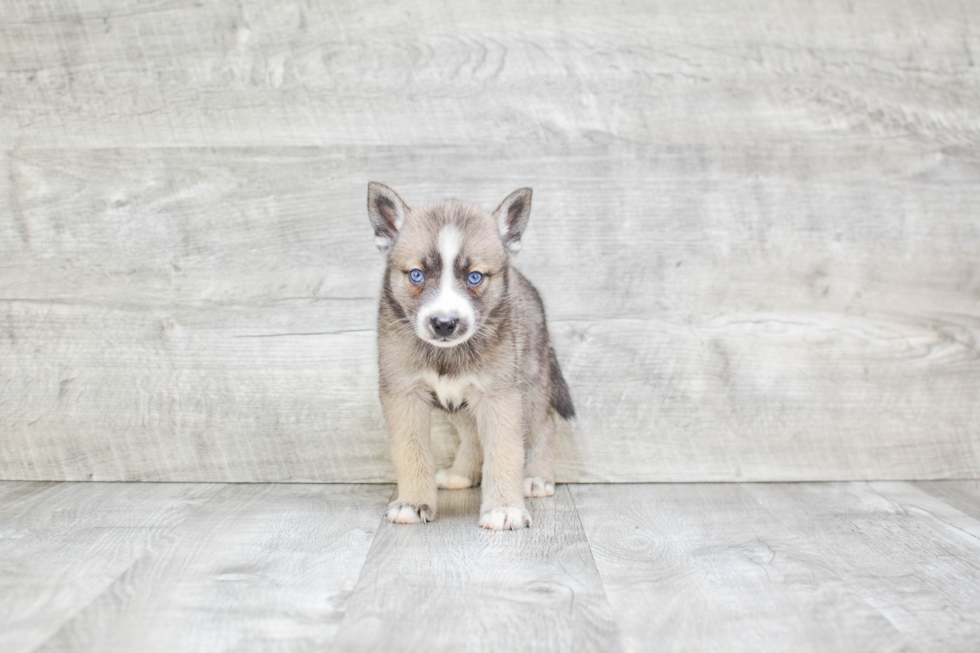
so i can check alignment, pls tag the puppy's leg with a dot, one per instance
(539, 470)
(465, 471)
(501, 426)
(409, 422)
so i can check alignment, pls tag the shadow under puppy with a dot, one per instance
(460, 329)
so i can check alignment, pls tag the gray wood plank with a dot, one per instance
(61, 546)
(157, 227)
(961, 495)
(139, 394)
(917, 501)
(152, 395)
(175, 73)
(910, 555)
(770, 398)
(453, 586)
(187, 314)
(668, 232)
(706, 568)
(9, 222)
(258, 568)
(15, 496)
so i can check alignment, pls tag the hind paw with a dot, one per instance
(538, 486)
(446, 480)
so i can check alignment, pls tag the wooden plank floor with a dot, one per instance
(882, 566)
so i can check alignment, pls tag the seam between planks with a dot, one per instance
(971, 535)
(598, 571)
(857, 585)
(82, 607)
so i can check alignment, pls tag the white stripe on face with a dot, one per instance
(449, 302)
(450, 242)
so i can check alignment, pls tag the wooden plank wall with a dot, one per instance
(756, 229)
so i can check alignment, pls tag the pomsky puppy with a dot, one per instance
(461, 330)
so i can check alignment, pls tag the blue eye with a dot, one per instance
(416, 276)
(475, 278)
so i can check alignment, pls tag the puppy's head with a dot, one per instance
(447, 262)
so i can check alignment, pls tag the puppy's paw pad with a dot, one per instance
(407, 513)
(538, 486)
(505, 518)
(446, 480)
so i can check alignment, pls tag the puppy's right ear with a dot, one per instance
(387, 212)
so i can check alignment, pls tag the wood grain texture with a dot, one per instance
(707, 568)
(62, 545)
(752, 72)
(453, 586)
(289, 568)
(258, 568)
(961, 495)
(913, 557)
(754, 229)
(15, 493)
(209, 314)
(149, 395)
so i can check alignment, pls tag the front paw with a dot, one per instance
(446, 480)
(505, 518)
(400, 512)
(538, 486)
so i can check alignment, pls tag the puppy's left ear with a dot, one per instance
(512, 215)
(387, 212)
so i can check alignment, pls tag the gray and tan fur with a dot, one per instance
(461, 330)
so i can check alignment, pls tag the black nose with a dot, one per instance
(443, 326)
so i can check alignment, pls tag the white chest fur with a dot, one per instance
(451, 391)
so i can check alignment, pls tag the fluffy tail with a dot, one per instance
(561, 400)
